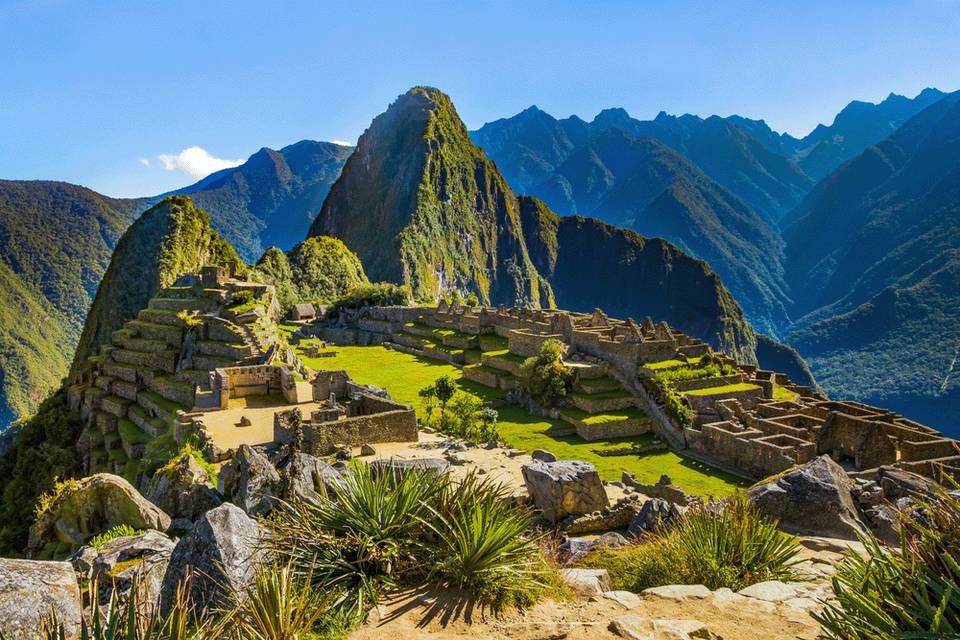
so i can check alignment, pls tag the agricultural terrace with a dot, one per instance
(403, 375)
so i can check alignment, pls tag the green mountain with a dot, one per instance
(272, 198)
(858, 126)
(872, 259)
(55, 242)
(319, 269)
(421, 205)
(170, 238)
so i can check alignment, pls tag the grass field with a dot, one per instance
(403, 375)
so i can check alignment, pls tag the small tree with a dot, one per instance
(465, 408)
(472, 300)
(441, 391)
(488, 421)
(545, 377)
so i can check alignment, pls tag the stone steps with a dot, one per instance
(154, 427)
(234, 350)
(132, 439)
(162, 407)
(125, 390)
(172, 389)
(631, 422)
(170, 334)
(127, 340)
(199, 377)
(598, 385)
(114, 405)
(183, 304)
(503, 361)
(201, 361)
(159, 360)
(161, 316)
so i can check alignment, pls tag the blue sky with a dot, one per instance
(109, 94)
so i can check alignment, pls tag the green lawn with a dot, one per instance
(727, 388)
(403, 375)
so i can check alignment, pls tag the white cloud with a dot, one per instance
(144, 161)
(196, 162)
(343, 143)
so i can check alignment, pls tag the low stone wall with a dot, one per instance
(706, 383)
(527, 344)
(663, 489)
(321, 439)
(481, 376)
(748, 398)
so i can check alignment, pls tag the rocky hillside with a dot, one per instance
(272, 198)
(630, 275)
(420, 204)
(55, 242)
(170, 238)
(872, 255)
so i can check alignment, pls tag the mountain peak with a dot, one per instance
(615, 116)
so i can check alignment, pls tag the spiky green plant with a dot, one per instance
(279, 606)
(484, 547)
(359, 542)
(911, 592)
(728, 545)
(119, 531)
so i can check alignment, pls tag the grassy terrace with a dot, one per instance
(618, 415)
(727, 388)
(404, 375)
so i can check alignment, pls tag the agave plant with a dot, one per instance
(278, 606)
(357, 543)
(484, 547)
(910, 592)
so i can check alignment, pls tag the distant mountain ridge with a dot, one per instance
(420, 204)
(272, 198)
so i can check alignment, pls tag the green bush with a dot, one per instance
(910, 592)
(378, 294)
(727, 545)
(381, 532)
(545, 377)
(472, 300)
(119, 531)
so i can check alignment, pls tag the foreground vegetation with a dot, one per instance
(405, 375)
(910, 592)
(726, 545)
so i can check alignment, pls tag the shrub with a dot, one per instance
(484, 547)
(545, 378)
(119, 531)
(442, 390)
(728, 545)
(472, 300)
(279, 606)
(381, 532)
(377, 294)
(911, 592)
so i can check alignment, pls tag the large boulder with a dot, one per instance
(220, 555)
(184, 489)
(564, 488)
(813, 499)
(251, 482)
(30, 590)
(90, 506)
(307, 477)
(122, 561)
(899, 483)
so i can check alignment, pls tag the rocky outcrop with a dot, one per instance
(653, 513)
(251, 482)
(91, 506)
(184, 489)
(29, 590)
(306, 477)
(814, 499)
(121, 562)
(564, 488)
(219, 555)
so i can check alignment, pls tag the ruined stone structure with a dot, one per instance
(740, 420)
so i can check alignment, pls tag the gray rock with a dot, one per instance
(884, 521)
(184, 490)
(814, 499)
(587, 581)
(898, 483)
(122, 561)
(678, 592)
(307, 477)
(30, 589)
(543, 456)
(575, 548)
(99, 503)
(653, 513)
(368, 450)
(251, 482)
(564, 488)
(220, 554)
(399, 468)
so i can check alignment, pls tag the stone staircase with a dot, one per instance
(600, 407)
